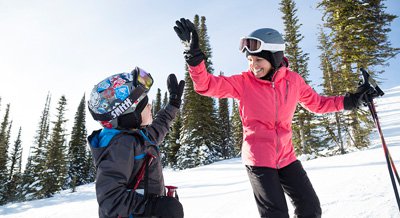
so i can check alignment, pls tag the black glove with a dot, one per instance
(187, 33)
(165, 207)
(354, 100)
(175, 90)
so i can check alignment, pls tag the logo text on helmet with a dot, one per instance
(121, 108)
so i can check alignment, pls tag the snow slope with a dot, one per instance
(352, 185)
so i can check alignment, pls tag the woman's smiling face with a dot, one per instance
(259, 66)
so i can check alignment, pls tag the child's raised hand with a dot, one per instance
(175, 90)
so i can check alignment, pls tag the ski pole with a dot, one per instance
(385, 148)
(378, 92)
(369, 100)
(389, 161)
(394, 168)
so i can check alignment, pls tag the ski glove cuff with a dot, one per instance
(175, 90)
(354, 100)
(349, 102)
(194, 57)
(164, 206)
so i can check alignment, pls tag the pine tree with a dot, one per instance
(165, 100)
(77, 149)
(13, 185)
(90, 169)
(56, 165)
(305, 137)
(16, 155)
(27, 180)
(173, 141)
(358, 31)
(237, 128)
(157, 105)
(210, 111)
(332, 123)
(199, 117)
(4, 143)
(8, 134)
(32, 178)
(157, 102)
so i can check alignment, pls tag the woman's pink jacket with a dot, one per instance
(266, 109)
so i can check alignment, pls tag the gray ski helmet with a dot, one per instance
(266, 43)
(272, 41)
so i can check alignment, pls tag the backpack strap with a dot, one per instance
(148, 157)
(143, 172)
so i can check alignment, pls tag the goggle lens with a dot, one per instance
(144, 78)
(251, 45)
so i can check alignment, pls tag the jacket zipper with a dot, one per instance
(275, 125)
(287, 90)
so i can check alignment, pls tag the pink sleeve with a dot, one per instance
(316, 103)
(215, 86)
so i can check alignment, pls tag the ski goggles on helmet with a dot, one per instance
(118, 94)
(143, 78)
(254, 45)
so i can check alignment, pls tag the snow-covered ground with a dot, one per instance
(352, 185)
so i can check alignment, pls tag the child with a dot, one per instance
(129, 179)
(267, 94)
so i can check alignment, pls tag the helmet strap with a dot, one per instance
(130, 121)
(133, 120)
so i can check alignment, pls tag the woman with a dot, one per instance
(268, 93)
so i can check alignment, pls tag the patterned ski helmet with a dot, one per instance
(117, 95)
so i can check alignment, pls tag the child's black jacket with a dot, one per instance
(118, 156)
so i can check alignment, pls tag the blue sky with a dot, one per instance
(66, 46)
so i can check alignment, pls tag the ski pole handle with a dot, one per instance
(171, 191)
(368, 79)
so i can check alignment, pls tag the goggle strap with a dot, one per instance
(128, 102)
(273, 47)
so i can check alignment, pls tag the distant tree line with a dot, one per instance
(354, 35)
(53, 163)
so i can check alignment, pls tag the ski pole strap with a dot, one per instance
(146, 175)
